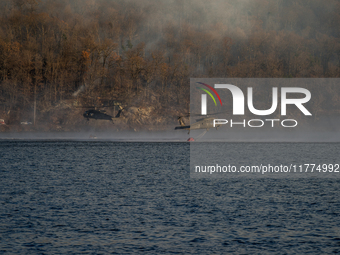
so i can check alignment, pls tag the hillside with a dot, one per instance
(68, 56)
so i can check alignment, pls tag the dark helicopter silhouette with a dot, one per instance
(98, 115)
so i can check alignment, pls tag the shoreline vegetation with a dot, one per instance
(60, 58)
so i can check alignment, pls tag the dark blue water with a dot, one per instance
(59, 197)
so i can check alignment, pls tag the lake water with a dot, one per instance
(99, 197)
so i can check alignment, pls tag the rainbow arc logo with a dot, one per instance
(204, 97)
(209, 93)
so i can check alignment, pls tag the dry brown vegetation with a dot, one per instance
(143, 53)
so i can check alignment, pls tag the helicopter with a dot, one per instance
(203, 123)
(98, 115)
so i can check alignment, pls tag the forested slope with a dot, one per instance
(143, 53)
